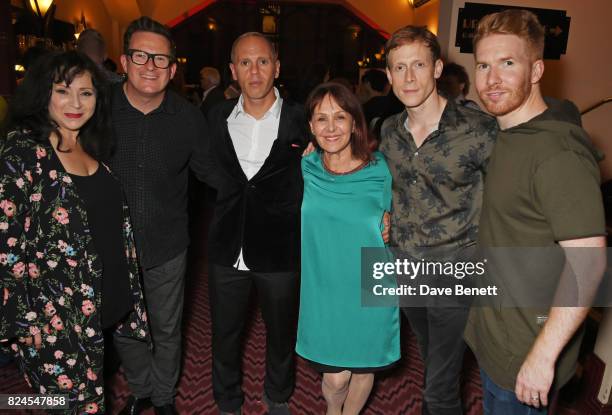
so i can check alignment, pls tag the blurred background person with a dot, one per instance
(92, 44)
(314, 74)
(345, 81)
(179, 85)
(212, 91)
(232, 91)
(68, 266)
(391, 106)
(375, 86)
(110, 65)
(347, 190)
(454, 83)
(30, 57)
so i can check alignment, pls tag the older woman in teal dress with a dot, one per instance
(347, 190)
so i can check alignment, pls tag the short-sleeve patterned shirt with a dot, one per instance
(437, 187)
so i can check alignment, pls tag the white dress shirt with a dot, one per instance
(253, 139)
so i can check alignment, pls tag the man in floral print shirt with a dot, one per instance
(437, 153)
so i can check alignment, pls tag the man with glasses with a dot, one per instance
(160, 136)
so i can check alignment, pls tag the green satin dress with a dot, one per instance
(340, 215)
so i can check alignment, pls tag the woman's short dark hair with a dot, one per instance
(29, 112)
(146, 24)
(362, 143)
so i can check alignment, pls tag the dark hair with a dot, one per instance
(253, 34)
(90, 40)
(362, 144)
(32, 55)
(313, 75)
(110, 65)
(146, 24)
(29, 112)
(519, 22)
(377, 79)
(344, 82)
(410, 34)
(459, 72)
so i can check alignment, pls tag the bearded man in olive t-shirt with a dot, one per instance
(542, 190)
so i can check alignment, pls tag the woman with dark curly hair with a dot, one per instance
(68, 267)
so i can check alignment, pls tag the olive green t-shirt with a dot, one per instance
(542, 187)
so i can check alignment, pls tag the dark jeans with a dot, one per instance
(498, 401)
(154, 373)
(229, 291)
(439, 333)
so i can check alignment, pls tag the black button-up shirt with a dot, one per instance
(153, 155)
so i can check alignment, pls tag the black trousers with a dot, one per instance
(439, 333)
(278, 294)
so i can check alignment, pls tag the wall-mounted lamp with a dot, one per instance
(212, 24)
(416, 3)
(182, 61)
(19, 68)
(44, 10)
(78, 29)
(80, 26)
(41, 7)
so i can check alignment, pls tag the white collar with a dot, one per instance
(273, 111)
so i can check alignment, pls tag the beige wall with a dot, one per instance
(165, 11)
(390, 15)
(583, 74)
(427, 15)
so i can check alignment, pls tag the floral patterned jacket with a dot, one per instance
(49, 269)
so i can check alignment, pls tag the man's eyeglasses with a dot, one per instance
(140, 57)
